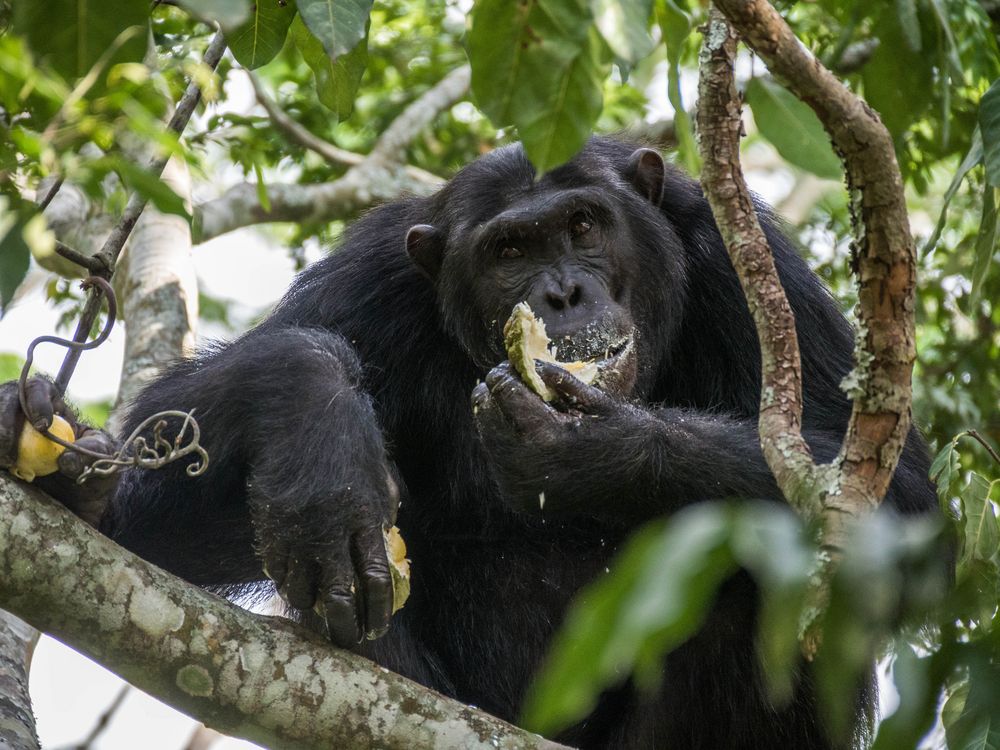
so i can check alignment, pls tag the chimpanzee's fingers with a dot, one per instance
(301, 582)
(521, 405)
(371, 564)
(338, 604)
(72, 463)
(574, 391)
(43, 400)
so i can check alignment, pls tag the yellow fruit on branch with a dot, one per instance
(36, 454)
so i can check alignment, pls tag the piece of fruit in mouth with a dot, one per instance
(525, 339)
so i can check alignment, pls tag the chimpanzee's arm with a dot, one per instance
(627, 463)
(298, 483)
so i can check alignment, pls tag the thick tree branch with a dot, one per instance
(17, 722)
(261, 678)
(380, 176)
(719, 131)
(883, 258)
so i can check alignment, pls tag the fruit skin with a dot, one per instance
(36, 454)
(526, 340)
(399, 567)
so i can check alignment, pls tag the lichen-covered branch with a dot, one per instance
(884, 261)
(719, 130)
(17, 721)
(380, 176)
(261, 678)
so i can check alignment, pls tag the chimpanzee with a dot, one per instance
(356, 392)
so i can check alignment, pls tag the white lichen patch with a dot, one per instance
(298, 670)
(68, 554)
(154, 613)
(21, 525)
(252, 656)
(194, 679)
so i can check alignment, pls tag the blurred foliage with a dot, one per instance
(550, 72)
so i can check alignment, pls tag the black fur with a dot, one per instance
(365, 348)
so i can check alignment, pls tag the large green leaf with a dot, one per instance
(260, 38)
(989, 126)
(986, 245)
(981, 532)
(147, 184)
(793, 128)
(675, 25)
(338, 24)
(655, 597)
(624, 24)
(337, 80)
(14, 254)
(228, 13)
(539, 65)
(972, 158)
(72, 35)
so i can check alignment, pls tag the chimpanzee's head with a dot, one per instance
(586, 246)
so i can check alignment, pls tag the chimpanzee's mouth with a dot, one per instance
(615, 353)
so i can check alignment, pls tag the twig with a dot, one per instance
(44, 202)
(133, 209)
(104, 719)
(975, 435)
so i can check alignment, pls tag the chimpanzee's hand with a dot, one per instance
(549, 457)
(319, 518)
(88, 500)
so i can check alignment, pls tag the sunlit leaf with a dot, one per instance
(675, 26)
(14, 256)
(906, 11)
(260, 38)
(338, 24)
(792, 128)
(624, 25)
(981, 532)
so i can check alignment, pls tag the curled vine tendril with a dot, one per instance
(138, 449)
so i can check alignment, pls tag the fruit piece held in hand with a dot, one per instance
(525, 339)
(36, 454)
(399, 567)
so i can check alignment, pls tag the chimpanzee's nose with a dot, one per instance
(562, 295)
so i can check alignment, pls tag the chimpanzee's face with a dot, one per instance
(562, 244)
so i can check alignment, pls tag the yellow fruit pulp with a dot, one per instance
(36, 454)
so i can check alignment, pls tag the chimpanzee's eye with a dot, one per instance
(509, 251)
(579, 225)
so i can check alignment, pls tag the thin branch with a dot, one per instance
(380, 176)
(296, 133)
(975, 435)
(133, 209)
(104, 720)
(261, 678)
(719, 130)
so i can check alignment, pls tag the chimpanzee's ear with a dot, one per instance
(425, 246)
(645, 171)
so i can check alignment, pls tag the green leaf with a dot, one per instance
(981, 532)
(72, 35)
(989, 126)
(147, 184)
(539, 65)
(675, 26)
(977, 727)
(906, 11)
(898, 82)
(262, 197)
(918, 697)
(337, 80)
(624, 25)
(972, 158)
(14, 255)
(228, 13)
(630, 618)
(986, 245)
(338, 24)
(257, 41)
(944, 469)
(793, 128)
